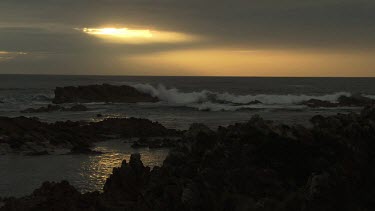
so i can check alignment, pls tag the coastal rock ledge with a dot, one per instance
(100, 93)
(257, 165)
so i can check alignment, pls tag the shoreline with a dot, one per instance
(282, 167)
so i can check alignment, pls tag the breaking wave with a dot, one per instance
(215, 101)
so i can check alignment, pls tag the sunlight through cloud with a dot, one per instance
(137, 36)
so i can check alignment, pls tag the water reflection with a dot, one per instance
(20, 175)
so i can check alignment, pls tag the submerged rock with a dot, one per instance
(100, 93)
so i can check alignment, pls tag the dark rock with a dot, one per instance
(100, 93)
(49, 108)
(126, 185)
(78, 107)
(355, 100)
(140, 143)
(29, 134)
(131, 127)
(54, 196)
(256, 165)
(315, 103)
(99, 115)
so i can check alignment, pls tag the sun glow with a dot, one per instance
(137, 36)
(122, 32)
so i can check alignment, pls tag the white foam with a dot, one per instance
(214, 101)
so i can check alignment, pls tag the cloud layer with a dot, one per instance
(47, 29)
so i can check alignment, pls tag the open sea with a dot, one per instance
(213, 101)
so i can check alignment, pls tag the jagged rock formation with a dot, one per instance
(257, 165)
(100, 93)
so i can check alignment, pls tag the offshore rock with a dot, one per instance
(100, 93)
(355, 100)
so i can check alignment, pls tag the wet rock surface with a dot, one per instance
(257, 165)
(100, 93)
(53, 108)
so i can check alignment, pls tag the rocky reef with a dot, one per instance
(100, 93)
(354, 100)
(53, 108)
(258, 165)
(33, 137)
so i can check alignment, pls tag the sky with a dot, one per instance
(188, 38)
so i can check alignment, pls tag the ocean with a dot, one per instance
(213, 101)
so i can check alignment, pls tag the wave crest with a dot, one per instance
(215, 101)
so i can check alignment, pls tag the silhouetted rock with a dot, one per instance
(355, 100)
(257, 165)
(130, 127)
(315, 103)
(100, 93)
(29, 135)
(54, 196)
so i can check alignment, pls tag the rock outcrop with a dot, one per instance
(54, 196)
(258, 165)
(355, 100)
(100, 93)
(30, 136)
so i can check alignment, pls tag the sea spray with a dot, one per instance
(215, 101)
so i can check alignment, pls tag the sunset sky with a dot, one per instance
(194, 37)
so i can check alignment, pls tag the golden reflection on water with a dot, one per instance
(96, 169)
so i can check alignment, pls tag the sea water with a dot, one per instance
(213, 101)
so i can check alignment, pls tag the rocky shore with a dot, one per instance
(32, 137)
(100, 93)
(258, 165)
